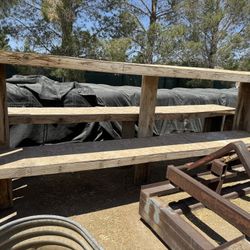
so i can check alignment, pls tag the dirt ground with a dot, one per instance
(105, 202)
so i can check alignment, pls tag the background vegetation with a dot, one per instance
(204, 33)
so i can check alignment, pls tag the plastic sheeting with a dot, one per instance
(40, 91)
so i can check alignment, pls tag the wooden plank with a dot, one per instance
(39, 60)
(5, 184)
(53, 159)
(66, 115)
(224, 208)
(242, 116)
(146, 120)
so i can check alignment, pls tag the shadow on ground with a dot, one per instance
(76, 193)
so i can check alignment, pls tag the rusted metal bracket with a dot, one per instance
(218, 169)
(166, 221)
(240, 149)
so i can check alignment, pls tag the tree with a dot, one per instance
(63, 14)
(139, 20)
(5, 7)
(206, 33)
(214, 32)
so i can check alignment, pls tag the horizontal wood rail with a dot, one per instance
(39, 60)
(95, 114)
(62, 158)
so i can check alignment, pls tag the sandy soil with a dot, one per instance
(105, 202)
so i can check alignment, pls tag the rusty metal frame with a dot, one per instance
(224, 208)
(240, 149)
(167, 222)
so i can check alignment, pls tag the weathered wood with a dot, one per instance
(213, 124)
(5, 184)
(128, 130)
(146, 120)
(66, 115)
(53, 159)
(242, 116)
(38, 60)
(228, 124)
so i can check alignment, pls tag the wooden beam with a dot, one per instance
(242, 115)
(38, 60)
(25, 115)
(5, 184)
(146, 120)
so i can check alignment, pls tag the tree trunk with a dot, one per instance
(151, 36)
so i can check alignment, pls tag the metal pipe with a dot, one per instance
(8, 231)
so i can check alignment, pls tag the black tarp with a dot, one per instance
(40, 91)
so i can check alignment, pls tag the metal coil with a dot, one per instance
(45, 230)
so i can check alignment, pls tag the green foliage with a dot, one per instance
(116, 49)
(4, 41)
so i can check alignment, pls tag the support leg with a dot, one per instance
(5, 185)
(146, 120)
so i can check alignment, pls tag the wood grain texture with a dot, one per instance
(242, 115)
(66, 115)
(53, 159)
(146, 120)
(5, 184)
(4, 125)
(39, 60)
(147, 106)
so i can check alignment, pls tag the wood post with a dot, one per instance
(213, 124)
(242, 115)
(146, 119)
(5, 185)
(128, 129)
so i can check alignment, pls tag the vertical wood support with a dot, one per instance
(128, 129)
(213, 124)
(5, 185)
(242, 115)
(146, 119)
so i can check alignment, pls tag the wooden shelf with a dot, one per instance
(94, 114)
(73, 157)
